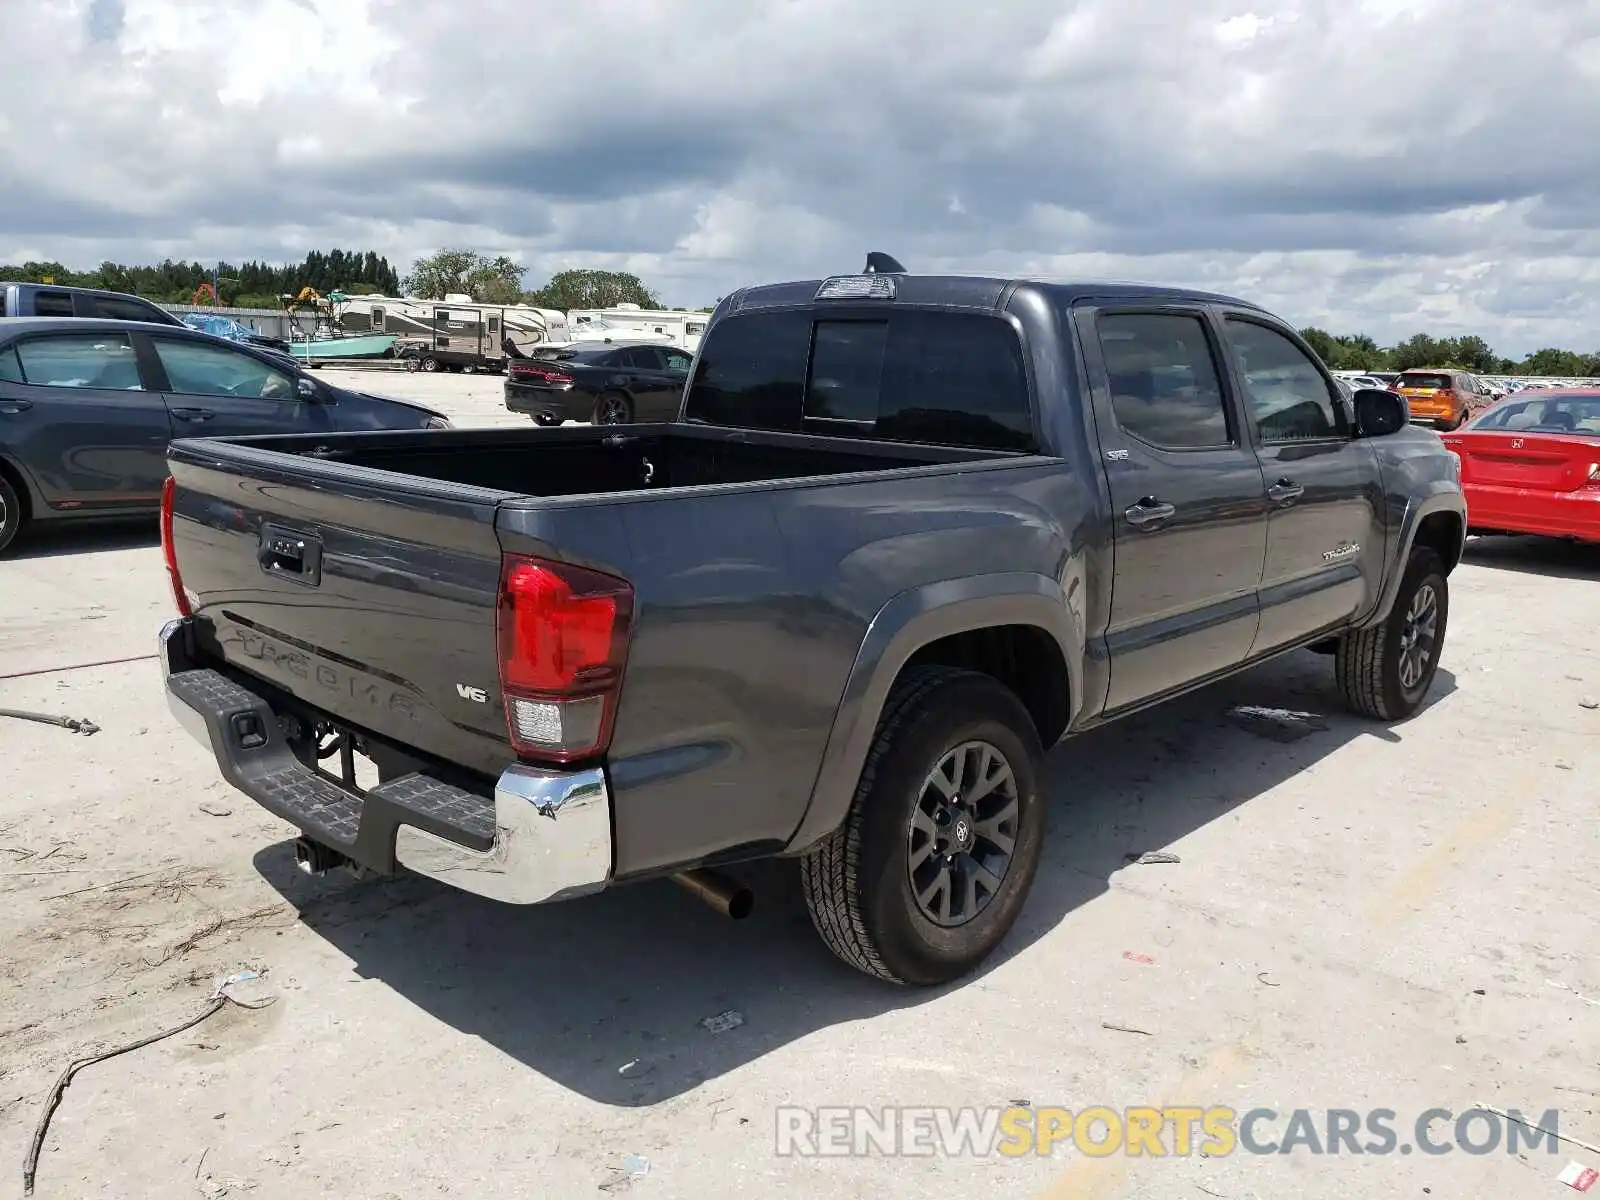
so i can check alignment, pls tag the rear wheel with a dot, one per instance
(1386, 671)
(941, 844)
(429, 363)
(613, 408)
(10, 514)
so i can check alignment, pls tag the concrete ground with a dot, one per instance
(1360, 918)
(476, 400)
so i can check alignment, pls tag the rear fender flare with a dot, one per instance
(908, 622)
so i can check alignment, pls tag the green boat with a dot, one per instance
(375, 345)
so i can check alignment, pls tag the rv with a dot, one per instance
(456, 332)
(629, 321)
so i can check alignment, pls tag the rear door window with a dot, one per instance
(10, 368)
(198, 369)
(643, 358)
(1165, 387)
(80, 360)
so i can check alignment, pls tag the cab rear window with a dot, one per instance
(938, 378)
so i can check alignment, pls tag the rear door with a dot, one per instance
(1325, 535)
(76, 414)
(1188, 499)
(656, 388)
(214, 390)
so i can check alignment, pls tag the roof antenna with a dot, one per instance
(879, 263)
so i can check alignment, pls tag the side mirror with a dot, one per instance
(1379, 413)
(307, 388)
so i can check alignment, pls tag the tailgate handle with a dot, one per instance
(290, 554)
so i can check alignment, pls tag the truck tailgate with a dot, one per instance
(368, 595)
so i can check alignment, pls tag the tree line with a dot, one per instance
(488, 280)
(500, 280)
(239, 285)
(1358, 352)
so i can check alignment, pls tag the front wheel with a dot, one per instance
(935, 858)
(1386, 671)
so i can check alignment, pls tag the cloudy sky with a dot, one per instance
(1379, 165)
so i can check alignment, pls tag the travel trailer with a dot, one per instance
(456, 332)
(629, 321)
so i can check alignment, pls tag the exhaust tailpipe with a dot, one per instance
(731, 899)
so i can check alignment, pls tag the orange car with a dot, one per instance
(1443, 398)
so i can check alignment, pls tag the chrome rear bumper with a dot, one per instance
(552, 840)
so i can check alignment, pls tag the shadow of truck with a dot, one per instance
(579, 989)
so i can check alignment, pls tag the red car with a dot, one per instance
(1531, 464)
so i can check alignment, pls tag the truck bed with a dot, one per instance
(757, 561)
(592, 460)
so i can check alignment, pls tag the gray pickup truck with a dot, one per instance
(907, 533)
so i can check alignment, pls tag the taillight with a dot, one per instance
(170, 552)
(1592, 483)
(563, 634)
(541, 375)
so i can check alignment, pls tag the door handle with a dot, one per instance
(192, 414)
(1149, 513)
(1285, 490)
(12, 407)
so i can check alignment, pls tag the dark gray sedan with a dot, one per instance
(87, 408)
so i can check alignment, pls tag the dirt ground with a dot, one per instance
(1361, 917)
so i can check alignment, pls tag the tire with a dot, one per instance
(11, 516)
(429, 363)
(469, 369)
(858, 883)
(613, 408)
(1372, 665)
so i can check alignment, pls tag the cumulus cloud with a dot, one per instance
(1358, 164)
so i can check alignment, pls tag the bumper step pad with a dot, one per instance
(360, 826)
